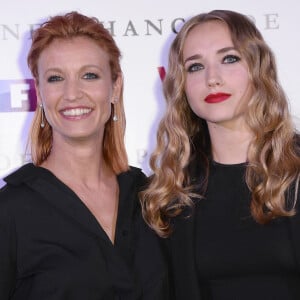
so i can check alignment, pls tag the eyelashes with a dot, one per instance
(90, 75)
(87, 76)
(54, 78)
(195, 67)
(228, 59)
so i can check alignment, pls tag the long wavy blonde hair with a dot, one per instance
(273, 156)
(68, 26)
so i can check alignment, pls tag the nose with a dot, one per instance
(72, 89)
(214, 77)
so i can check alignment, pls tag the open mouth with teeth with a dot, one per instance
(76, 112)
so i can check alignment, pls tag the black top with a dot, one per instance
(53, 248)
(225, 254)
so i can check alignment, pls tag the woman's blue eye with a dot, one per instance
(195, 67)
(90, 75)
(230, 59)
(54, 78)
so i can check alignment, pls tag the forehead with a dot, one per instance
(209, 35)
(81, 47)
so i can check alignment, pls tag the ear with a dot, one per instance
(117, 88)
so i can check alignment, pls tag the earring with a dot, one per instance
(115, 117)
(42, 112)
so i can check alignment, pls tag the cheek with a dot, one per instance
(47, 93)
(194, 87)
(102, 100)
(195, 103)
(241, 78)
(102, 91)
(245, 87)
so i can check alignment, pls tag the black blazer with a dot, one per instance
(52, 247)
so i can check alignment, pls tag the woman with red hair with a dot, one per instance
(70, 221)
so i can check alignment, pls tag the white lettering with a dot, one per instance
(18, 94)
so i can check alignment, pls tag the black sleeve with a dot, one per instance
(7, 252)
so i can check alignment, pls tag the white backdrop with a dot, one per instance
(143, 31)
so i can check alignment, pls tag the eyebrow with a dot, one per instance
(198, 56)
(58, 70)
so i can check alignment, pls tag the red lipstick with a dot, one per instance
(216, 98)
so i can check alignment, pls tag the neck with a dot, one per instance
(229, 145)
(78, 163)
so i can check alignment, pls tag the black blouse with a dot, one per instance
(225, 254)
(52, 247)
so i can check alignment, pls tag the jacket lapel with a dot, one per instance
(57, 194)
(69, 204)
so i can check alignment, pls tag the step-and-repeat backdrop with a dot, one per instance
(143, 30)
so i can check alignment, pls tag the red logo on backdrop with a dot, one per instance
(17, 95)
(162, 72)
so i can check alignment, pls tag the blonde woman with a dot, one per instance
(224, 191)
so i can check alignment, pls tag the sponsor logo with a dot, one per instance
(17, 95)
(161, 72)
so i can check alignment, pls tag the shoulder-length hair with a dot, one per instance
(273, 156)
(68, 26)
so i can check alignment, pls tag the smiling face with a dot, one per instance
(217, 86)
(75, 87)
